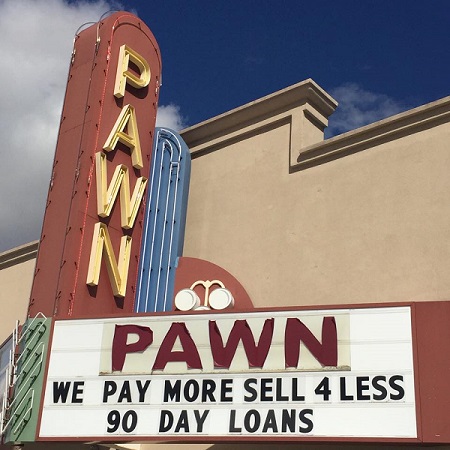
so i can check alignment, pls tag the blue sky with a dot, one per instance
(377, 58)
(218, 55)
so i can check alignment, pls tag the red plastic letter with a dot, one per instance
(256, 354)
(189, 354)
(296, 332)
(120, 348)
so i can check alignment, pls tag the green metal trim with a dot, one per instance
(28, 387)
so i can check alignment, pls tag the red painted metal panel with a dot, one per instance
(89, 114)
(190, 270)
(432, 339)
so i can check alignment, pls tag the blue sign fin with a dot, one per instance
(164, 222)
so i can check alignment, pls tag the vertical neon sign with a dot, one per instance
(90, 244)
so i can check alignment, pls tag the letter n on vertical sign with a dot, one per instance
(103, 150)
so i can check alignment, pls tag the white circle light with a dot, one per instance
(186, 300)
(221, 299)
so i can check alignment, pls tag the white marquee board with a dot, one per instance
(370, 394)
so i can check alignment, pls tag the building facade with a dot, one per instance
(356, 221)
(304, 222)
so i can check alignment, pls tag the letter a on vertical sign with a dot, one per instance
(89, 251)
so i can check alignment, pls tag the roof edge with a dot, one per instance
(391, 128)
(306, 91)
(18, 255)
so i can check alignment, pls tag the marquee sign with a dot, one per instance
(282, 374)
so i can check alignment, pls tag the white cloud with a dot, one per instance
(169, 116)
(36, 38)
(358, 107)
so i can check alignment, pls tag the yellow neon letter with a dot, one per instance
(124, 76)
(130, 137)
(118, 272)
(106, 195)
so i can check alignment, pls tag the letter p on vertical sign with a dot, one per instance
(124, 75)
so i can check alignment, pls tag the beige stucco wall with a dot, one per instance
(16, 276)
(366, 227)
